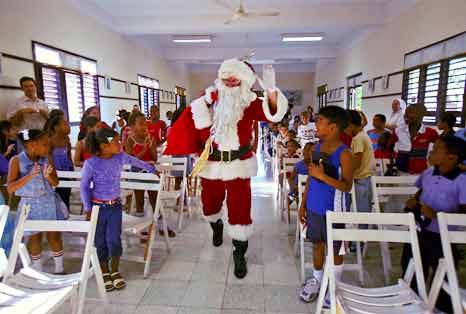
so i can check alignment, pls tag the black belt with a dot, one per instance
(227, 156)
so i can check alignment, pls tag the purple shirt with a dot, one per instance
(443, 193)
(105, 175)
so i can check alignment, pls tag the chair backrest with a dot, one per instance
(168, 163)
(351, 232)
(381, 165)
(456, 234)
(4, 210)
(23, 225)
(387, 186)
(288, 164)
(302, 180)
(140, 181)
(69, 179)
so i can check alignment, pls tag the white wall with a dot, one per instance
(382, 52)
(55, 23)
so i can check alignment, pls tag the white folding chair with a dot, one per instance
(301, 229)
(133, 226)
(446, 266)
(72, 180)
(287, 166)
(382, 189)
(168, 165)
(381, 165)
(59, 287)
(399, 298)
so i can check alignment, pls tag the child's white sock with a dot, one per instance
(36, 262)
(338, 272)
(318, 274)
(58, 259)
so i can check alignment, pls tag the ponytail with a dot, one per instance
(95, 138)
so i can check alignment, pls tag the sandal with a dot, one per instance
(118, 281)
(108, 283)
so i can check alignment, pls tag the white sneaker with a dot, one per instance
(310, 290)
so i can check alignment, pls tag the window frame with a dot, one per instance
(442, 89)
(38, 66)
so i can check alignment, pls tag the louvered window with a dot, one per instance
(455, 89)
(148, 93)
(431, 92)
(440, 86)
(68, 81)
(52, 88)
(412, 87)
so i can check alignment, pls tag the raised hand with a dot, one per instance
(49, 171)
(10, 149)
(35, 170)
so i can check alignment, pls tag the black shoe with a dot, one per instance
(241, 268)
(217, 228)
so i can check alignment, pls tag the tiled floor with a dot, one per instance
(197, 278)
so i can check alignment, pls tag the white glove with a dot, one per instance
(208, 95)
(268, 78)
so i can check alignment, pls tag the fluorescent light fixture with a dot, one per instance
(302, 37)
(192, 39)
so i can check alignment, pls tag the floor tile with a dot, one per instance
(244, 297)
(187, 310)
(210, 272)
(284, 299)
(152, 309)
(165, 292)
(281, 274)
(255, 276)
(175, 270)
(204, 295)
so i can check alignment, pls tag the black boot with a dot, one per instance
(217, 228)
(241, 268)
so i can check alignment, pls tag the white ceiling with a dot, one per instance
(153, 22)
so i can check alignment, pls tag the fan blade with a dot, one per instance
(225, 4)
(262, 13)
(234, 18)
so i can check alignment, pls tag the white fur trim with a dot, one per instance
(242, 169)
(240, 232)
(238, 69)
(282, 107)
(214, 217)
(202, 115)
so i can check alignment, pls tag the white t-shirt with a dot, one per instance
(396, 118)
(25, 102)
(307, 133)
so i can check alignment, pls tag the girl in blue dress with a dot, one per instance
(32, 177)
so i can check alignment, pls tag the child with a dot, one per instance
(156, 127)
(8, 145)
(142, 146)
(363, 162)
(60, 149)
(81, 154)
(282, 138)
(446, 123)
(330, 177)
(442, 188)
(307, 130)
(32, 177)
(103, 173)
(377, 134)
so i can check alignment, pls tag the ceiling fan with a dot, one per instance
(240, 12)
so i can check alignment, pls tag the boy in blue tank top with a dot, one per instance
(330, 177)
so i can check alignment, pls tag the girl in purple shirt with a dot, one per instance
(100, 185)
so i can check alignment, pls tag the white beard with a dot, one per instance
(228, 111)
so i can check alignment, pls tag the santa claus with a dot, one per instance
(221, 124)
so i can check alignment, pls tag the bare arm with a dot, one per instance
(13, 183)
(51, 172)
(357, 160)
(78, 162)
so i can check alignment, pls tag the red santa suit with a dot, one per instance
(220, 178)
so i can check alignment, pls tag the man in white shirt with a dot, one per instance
(307, 130)
(28, 112)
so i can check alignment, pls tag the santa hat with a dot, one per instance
(239, 69)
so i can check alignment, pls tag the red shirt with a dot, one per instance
(346, 139)
(419, 148)
(156, 129)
